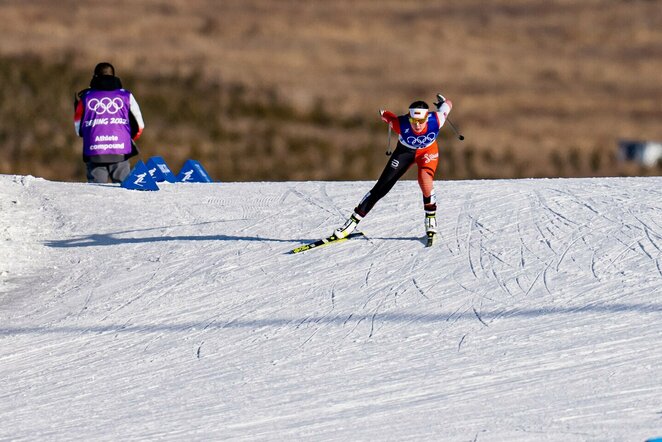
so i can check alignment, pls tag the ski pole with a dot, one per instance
(440, 101)
(388, 144)
(457, 132)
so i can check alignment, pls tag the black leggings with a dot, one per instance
(400, 161)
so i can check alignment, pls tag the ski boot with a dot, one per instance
(348, 227)
(430, 222)
(430, 227)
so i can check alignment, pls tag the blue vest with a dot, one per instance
(105, 123)
(422, 140)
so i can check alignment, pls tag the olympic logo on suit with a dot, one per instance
(421, 141)
(105, 105)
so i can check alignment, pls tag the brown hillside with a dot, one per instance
(533, 82)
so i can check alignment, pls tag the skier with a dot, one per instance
(417, 143)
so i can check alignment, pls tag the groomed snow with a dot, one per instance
(179, 314)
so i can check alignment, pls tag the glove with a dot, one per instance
(387, 116)
(440, 100)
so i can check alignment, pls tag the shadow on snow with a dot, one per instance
(220, 324)
(111, 239)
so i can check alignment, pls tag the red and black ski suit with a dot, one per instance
(413, 147)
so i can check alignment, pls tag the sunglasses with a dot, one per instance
(418, 120)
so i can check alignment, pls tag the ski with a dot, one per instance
(430, 239)
(333, 239)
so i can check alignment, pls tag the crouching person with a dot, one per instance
(109, 120)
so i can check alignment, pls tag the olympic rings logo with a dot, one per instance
(105, 105)
(423, 140)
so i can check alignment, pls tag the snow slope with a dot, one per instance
(179, 314)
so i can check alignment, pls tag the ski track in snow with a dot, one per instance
(180, 314)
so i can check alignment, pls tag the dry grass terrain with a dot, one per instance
(540, 87)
